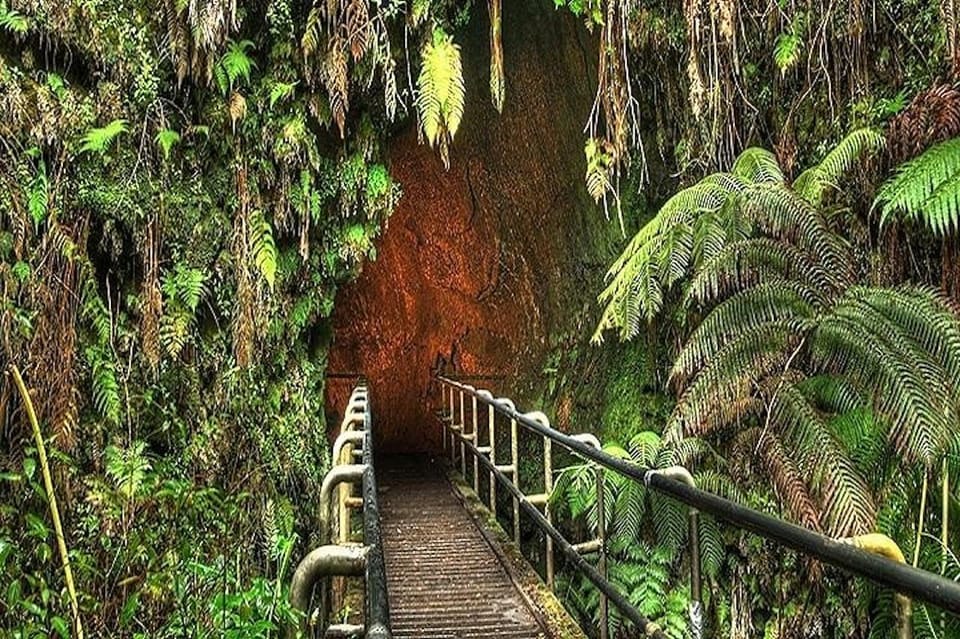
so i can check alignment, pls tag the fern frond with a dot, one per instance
(236, 64)
(725, 384)
(848, 506)
(440, 91)
(925, 190)
(758, 166)
(846, 343)
(747, 263)
(166, 139)
(97, 140)
(660, 254)
(814, 183)
(496, 56)
(599, 164)
(645, 447)
(13, 21)
(784, 215)
(105, 390)
(127, 467)
(185, 286)
(770, 301)
(787, 50)
(831, 393)
(263, 249)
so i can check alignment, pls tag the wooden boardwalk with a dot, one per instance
(444, 579)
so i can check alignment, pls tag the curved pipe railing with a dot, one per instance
(343, 559)
(900, 577)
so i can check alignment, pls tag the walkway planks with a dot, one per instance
(444, 579)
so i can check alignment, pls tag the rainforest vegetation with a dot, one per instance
(186, 185)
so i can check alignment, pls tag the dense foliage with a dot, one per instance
(184, 185)
(828, 387)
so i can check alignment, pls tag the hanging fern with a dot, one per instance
(599, 165)
(235, 65)
(183, 288)
(440, 92)
(496, 55)
(166, 139)
(787, 51)
(263, 249)
(37, 194)
(925, 190)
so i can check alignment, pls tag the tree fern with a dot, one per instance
(440, 92)
(925, 190)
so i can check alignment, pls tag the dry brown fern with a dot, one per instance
(932, 116)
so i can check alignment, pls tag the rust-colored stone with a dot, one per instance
(481, 263)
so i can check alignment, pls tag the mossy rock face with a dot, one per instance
(484, 262)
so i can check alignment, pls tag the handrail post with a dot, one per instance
(443, 419)
(880, 544)
(681, 474)
(602, 563)
(515, 462)
(453, 429)
(547, 489)
(463, 435)
(476, 442)
(492, 435)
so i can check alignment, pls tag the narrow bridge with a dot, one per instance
(436, 562)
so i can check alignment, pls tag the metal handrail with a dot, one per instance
(344, 559)
(905, 579)
(377, 601)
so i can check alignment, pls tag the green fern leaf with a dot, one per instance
(815, 182)
(13, 21)
(263, 248)
(440, 91)
(97, 140)
(166, 139)
(758, 166)
(105, 388)
(787, 51)
(925, 190)
(236, 64)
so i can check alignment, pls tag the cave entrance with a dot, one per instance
(478, 262)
